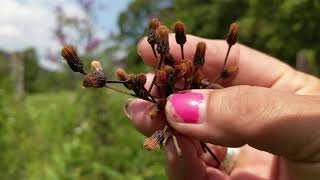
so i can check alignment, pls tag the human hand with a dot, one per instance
(274, 118)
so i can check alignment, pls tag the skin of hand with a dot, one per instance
(268, 109)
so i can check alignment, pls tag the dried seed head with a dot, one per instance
(162, 34)
(154, 23)
(153, 142)
(136, 82)
(161, 78)
(69, 53)
(97, 79)
(96, 66)
(199, 56)
(171, 73)
(180, 32)
(229, 71)
(121, 74)
(233, 34)
(184, 67)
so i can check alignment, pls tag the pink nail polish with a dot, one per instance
(185, 107)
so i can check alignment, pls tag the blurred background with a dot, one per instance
(51, 128)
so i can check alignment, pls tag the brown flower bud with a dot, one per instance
(69, 53)
(229, 71)
(97, 79)
(96, 66)
(121, 74)
(199, 56)
(153, 142)
(180, 32)
(154, 23)
(162, 34)
(233, 34)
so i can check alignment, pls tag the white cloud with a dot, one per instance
(30, 24)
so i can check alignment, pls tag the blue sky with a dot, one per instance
(29, 23)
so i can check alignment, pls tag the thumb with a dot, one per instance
(278, 122)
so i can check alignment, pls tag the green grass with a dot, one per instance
(74, 135)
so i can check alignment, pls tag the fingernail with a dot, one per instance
(126, 107)
(186, 107)
(138, 46)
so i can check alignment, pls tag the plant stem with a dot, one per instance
(120, 91)
(154, 77)
(226, 58)
(182, 53)
(154, 51)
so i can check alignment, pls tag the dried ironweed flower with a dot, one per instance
(180, 32)
(199, 55)
(162, 34)
(154, 141)
(184, 68)
(161, 78)
(233, 34)
(69, 53)
(154, 23)
(97, 79)
(171, 73)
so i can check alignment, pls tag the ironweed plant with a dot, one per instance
(165, 81)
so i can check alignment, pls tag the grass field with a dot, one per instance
(57, 136)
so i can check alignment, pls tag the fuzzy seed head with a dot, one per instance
(199, 56)
(69, 53)
(233, 34)
(96, 66)
(153, 142)
(185, 67)
(180, 32)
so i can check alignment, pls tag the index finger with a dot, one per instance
(255, 68)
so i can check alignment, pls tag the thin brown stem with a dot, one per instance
(154, 77)
(149, 94)
(226, 58)
(182, 53)
(120, 91)
(154, 51)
